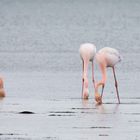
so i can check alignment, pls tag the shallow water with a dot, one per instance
(69, 119)
(41, 67)
(66, 85)
(38, 108)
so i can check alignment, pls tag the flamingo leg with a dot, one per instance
(102, 90)
(82, 78)
(116, 84)
(85, 78)
(93, 80)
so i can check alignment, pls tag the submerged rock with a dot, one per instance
(26, 112)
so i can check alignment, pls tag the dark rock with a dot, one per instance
(26, 112)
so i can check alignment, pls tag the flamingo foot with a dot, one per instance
(98, 98)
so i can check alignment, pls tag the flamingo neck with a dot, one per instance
(102, 65)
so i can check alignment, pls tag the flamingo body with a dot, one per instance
(87, 51)
(112, 56)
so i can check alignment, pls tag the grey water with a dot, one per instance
(41, 67)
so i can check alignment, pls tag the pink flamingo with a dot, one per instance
(2, 92)
(107, 57)
(87, 52)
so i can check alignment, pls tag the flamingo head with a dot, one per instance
(98, 97)
(85, 93)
